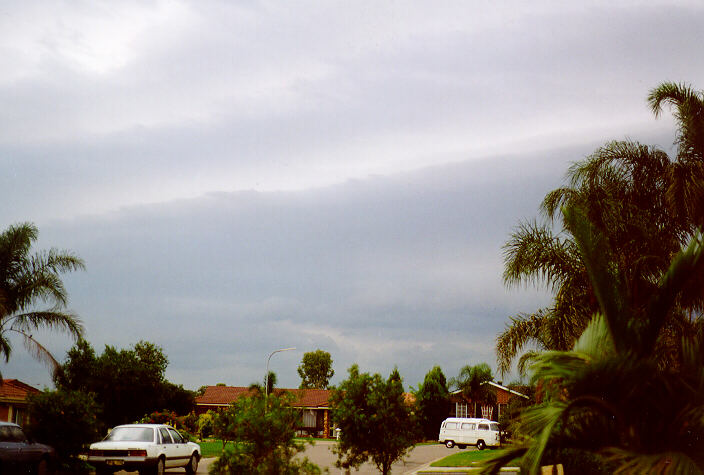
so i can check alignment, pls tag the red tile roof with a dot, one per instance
(224, 395)
(15, 389)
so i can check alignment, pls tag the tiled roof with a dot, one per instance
(223, 395)
(15, 389)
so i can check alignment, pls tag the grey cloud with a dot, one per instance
(230, 275)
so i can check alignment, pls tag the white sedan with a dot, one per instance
(148, 448)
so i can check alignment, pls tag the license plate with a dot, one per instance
(115, 462)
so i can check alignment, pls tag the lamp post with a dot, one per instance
(266, 377)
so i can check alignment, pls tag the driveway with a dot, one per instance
(202, 468)
(321, 455)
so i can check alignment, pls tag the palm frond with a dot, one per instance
(39, 352)
(54, 320)
(534, 254)
(597, 258)
(663, 462)
(684, 266)
(522, 330)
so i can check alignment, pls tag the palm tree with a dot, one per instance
(648, 205)
(686, 192)
(472, 383)
(622, 189)
(610, 396)
(28, 279)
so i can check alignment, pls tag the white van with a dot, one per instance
(463, 431)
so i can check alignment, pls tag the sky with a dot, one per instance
(246, 176)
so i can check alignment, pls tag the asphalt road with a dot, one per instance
(321, 455)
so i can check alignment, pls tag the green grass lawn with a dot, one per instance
(467, 458)
(213, 447)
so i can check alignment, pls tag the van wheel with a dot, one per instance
(449, 444)
(481, 445)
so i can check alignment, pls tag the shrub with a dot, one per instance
(65, 420)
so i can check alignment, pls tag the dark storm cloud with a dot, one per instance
(378, 271)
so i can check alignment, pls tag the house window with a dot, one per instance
(309, 418)
(461, 409)
(18, 417)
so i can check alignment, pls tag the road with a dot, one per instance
(321, 455)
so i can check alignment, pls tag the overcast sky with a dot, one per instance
(246, 176)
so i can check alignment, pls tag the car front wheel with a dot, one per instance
(192, 466)
(481, 445)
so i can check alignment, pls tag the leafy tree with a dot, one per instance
(67, 421)
(27, 279)
(263, 430)
(315, 370)
(645, 203)
(127, 384)
(376, 422)
(432, 403)
(610, 396)
(472, 382)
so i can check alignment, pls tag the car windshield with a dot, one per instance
(136, 434)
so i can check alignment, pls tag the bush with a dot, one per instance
(205, 424)
(67, 421)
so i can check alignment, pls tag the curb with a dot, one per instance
(458, 470)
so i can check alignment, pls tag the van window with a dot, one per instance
(483, 426)
(468, 426)
(451, 425)
(494, 427)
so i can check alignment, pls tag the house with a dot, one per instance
(463, 407)
(313, 404)
(14, 396)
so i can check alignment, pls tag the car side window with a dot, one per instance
(165, 437)
(468, 426)
(483, 426)
(176, 436)
(451, 425)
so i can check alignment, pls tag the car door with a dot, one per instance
(168, 446)
(181, 448)
(9, 447)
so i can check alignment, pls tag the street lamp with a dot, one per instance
(266, 377)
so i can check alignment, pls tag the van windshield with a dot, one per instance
(494, 427)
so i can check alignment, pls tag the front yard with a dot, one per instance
(467, 458)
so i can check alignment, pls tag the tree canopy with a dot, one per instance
(127, 383)
(375, 421)
(316, 370)
(471, 381)
(29, 279)
(432, 403)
